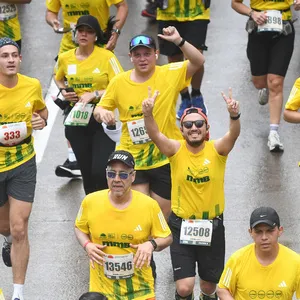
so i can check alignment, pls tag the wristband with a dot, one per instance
(85, 244)
(181, 43)
(97, 95)
(116, 30)
(153, 244)
(250, 13)
(236, 117)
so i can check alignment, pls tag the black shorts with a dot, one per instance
(270, 53)
(210, 259)
(193, 31)
(19, 182)
(159, 180)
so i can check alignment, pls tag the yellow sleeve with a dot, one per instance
(59, 69)
(177, 73)
(81, 221)
(160, 227)
(113, 2)
(108, 99)
(228, 279)
(53, 5)
(39, 102)
(293, 102)
(114, 67)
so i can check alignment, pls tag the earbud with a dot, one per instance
(156, 55)
(96, 38)
(131, 59)
(20, 60)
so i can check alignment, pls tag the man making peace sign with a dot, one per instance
(197, 197)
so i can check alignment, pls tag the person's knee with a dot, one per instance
(4, 227)
(18, 230)
(259, 83)
(275, 83)
(208, 288)
(184, 288)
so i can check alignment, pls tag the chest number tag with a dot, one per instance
(273, 22)
(7, 11)
(13, 133)
(119, 266)
(138, 132)
(79, 115)
(196, 232)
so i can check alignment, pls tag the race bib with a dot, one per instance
(79, 115)
(138, 132)
(7, 11)
(196, 232)
(13, 133)
(118, 266)
(273, 22)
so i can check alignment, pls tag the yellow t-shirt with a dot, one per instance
(90, 74)
(274, 5)
(72, 10)
(246, 279)
(197, 182)
(293, 102)
(127, 96)
(116, 228)
(184, 10)
(9, 21)
(17, 105)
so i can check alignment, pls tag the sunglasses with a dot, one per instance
(189, 124)
(122, 175)
(141, 40)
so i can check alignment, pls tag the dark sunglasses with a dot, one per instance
(122, 175)
(141, 40)
(189, 124)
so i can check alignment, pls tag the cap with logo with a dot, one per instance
(142, 40)
(264, 215)
(122, 156)
(91, 22)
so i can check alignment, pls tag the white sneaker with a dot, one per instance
(263, 96)
(274, 143)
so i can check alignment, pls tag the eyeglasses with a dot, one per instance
(189, 124)
(141, 40)
(122, 175)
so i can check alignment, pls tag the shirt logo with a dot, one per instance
(282, 284)
(96, 71)
(138, 228)
(28, 104)
(206, 162)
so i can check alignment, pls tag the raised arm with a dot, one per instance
(225, 144)
(193, 55)
(166, 146)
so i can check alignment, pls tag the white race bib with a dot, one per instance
(118, 266)
(79, 116)
(138, 132)
(7, 11)
(13, 133)
(273, 22)
(196, 232)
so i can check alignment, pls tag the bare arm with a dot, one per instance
(225, 144)
(166, 146)
(291, 116)
(193, 55)
(224, 294)
(104, 115)
(52, 19)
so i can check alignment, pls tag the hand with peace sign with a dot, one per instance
(232, 105)
(148, 103)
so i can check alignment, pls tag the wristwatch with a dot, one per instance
(153, 244)
(236, 117)
(116, 30)
(97, 95)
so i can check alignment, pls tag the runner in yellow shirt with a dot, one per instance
(197, 172)
(22, 109)
(270, 47)
(191, 19)
(114, 226)
(265, 269)
(291, 113)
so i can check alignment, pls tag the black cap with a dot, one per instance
(142, 40)
(122, 156)
(8, 41)
(264, 215)
(91, 22)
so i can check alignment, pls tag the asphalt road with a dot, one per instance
(58, 267)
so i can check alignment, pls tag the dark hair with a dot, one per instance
(105, 36)
(92, 296)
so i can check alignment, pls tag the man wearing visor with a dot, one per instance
(197, 172)
(128, 90)
(264, 269)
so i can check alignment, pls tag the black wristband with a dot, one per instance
(236, 117)
(153, 244)
(181, 43)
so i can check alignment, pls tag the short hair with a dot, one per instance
(93, 296)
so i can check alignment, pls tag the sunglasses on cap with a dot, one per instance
(122, 175)
(189, 124)
(142, 40)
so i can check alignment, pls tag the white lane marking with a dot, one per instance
(41, 137)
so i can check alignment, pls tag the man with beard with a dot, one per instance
(197, 198)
